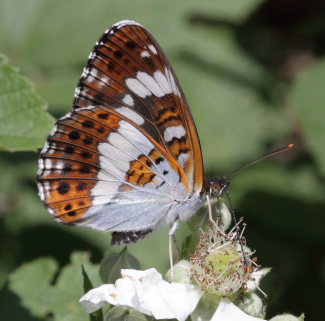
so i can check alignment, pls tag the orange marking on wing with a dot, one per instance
(178, 147)
(73, 216)
(168, 116)
(139, 174)
(69, 195)
(97, 122)
(71, 210)
(66, 189)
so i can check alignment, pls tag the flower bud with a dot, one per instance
(181, 272)
(288, 317)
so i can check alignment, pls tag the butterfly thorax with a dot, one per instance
(216, 186)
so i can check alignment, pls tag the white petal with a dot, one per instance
(150, 275)
(148, 293)
(95, 298)
(227, 311)
(257, 276)
(172, 300)
(127, 294)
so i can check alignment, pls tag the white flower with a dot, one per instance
(148, 293)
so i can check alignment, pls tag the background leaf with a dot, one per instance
(308, 100)
(22, 282)
(60, 299)
(97, 315)
(110, 268)
(23, 121)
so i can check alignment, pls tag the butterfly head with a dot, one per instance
(217, 186)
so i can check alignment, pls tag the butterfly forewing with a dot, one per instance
(129, 148)
(129, 72)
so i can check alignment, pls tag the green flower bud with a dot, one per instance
(181, 272)
(288, 317)
(252, 304)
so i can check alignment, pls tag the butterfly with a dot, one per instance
(127, 158)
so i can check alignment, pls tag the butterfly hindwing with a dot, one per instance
(91, 161)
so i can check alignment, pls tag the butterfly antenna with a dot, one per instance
(277, 151)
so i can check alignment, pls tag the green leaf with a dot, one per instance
(60, 299)
(87, 283)
(122, 313)
(110, 268)
(24, 123)
(40, 272)
(308, 100)
(68, 289)
(97, 315)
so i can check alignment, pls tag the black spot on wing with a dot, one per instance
(81, 186)
(69, 149)
(68, 207)
(84, 169)
(63, 188)
(88, 124)
(74, 135)
(88, 140)
(86, 155)
(130, 44)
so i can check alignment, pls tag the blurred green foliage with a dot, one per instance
(253, 72)
(23, 119)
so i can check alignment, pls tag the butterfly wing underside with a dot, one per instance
(129, 149)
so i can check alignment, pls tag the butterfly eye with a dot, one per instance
(218, 185)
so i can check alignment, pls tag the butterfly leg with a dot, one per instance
(170, 247)
(238, 233)
(178, 252)
(211, 218)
